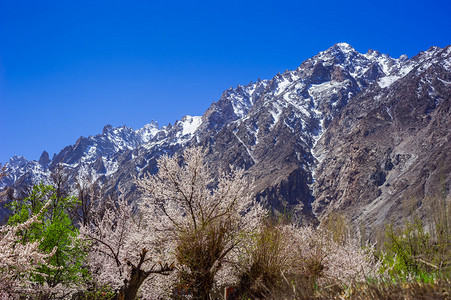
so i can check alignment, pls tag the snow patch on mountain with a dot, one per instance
(190, 124)
(284, 82)
(242, 98)
(111, 165)
(387, 81)
(148, 131)
(245, 146)
(275, 112)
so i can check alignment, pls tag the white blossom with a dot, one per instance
(18, 261)
(187, 201)
(122, 242)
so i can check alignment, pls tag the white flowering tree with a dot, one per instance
(187, 227)
(325, 260)
(207, 220)
(288, 261)
(125, 252)
(19, 260)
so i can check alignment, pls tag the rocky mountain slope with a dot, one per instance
(388, 152)
(345, 131)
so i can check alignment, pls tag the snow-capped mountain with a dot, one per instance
(288, 132)
(387, 153)
(98, 154)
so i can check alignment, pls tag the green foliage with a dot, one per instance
(54, 230)
(414, 251)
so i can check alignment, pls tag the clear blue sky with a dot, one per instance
(67, 68)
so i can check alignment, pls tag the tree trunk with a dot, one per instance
(131, 287)
(203, 285)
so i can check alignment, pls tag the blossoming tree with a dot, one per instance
(125, 251)
(187, 227)
(288, 261)
(18, 260)
(206, 219)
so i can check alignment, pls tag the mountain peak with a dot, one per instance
(44, 159)
(152, 125)
(345, 47)
(372, 52)
(107, 128)
(17, 161)
(339, 51)
(148, 131)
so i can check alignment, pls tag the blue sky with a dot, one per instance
(67, 68)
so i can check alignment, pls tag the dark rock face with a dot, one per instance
(348, 132)
(44, 159)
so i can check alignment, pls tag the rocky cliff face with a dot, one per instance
(345, 131)
(389, 149)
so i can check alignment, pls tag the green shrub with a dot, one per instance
(414, 251)
(55, 231)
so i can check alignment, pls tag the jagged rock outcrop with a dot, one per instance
(44, 159)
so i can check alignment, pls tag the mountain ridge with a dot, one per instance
(282, 131)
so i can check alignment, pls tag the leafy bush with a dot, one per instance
(55, 232)
(413, 251)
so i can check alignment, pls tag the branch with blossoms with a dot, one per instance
(208, 218)
(123, 251)
(18, 261)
